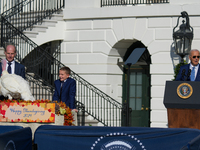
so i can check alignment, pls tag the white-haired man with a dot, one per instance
(191, 71)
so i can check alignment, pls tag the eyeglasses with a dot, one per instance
(195, 56)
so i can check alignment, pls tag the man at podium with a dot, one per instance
(191, 71)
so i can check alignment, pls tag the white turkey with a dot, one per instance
(14, 86)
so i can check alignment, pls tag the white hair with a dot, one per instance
(193, 51)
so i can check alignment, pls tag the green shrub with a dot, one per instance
(177, 68)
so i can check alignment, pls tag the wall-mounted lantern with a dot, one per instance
(183, 37)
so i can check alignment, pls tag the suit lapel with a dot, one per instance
(188, 68)
(59, 85)
(198, 75)
(16, 66)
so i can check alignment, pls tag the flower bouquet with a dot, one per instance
(62, 109)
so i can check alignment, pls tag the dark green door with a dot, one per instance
(139, 95)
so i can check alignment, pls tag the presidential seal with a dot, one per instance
(118, 145)
(118, 141)
(184, 90)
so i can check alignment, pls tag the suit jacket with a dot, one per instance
(68, 92)
(19, 69)
(185, 78)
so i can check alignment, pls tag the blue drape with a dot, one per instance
(96, 138)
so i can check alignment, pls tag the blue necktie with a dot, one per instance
(192, 77)
(9, 68)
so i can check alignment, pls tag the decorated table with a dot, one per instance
(36, 113)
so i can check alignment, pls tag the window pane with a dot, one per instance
(138, 104)
(139, 91)
(132, 78)
(132, 103)
(139, 78)
(132, 90)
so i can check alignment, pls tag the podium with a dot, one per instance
(182, 100)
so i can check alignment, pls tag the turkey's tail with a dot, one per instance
(3, 64)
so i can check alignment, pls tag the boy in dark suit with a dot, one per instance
(65, 88)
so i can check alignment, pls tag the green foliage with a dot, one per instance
(177, 68)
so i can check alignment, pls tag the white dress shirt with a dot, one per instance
(12, 66)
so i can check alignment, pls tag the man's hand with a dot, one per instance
(75, 110)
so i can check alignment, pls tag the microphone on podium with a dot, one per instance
(189, 73)
(183, 74)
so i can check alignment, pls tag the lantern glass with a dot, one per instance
(178, 45)
(188, 43)
(183, 45)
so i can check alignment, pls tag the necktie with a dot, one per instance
(192, 77)
(9, 68)
(61, 89)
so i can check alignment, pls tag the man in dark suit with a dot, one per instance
(65, 88)
(12, 66)
(191, 71)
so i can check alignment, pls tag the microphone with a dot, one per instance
(189, 73)
(183, 74)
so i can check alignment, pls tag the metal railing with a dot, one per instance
(130, 2)
(81, 113)
(27, 13)
(98, 104)
(38, 89)
(7, 4)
